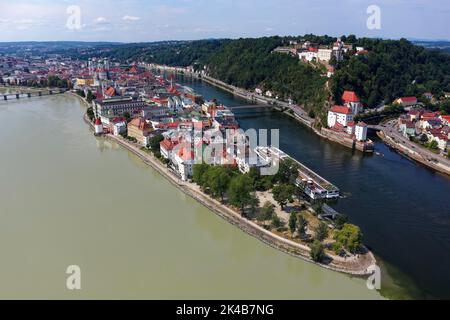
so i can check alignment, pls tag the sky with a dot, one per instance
(154, 20)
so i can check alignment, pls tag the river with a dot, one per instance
(402, 207)
(68, 198)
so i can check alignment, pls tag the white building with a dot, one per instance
(352, 101)
(98, 127)
(339, 114)
(324, 54)
(351, 128)
(166, 147)
(309, 55)
(119, 128)
(361, 131)
(184, 162)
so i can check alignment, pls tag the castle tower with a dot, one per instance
(98, 127)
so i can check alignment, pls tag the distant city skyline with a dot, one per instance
(155, 20)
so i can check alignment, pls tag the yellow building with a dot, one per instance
(138, 128)
(85, 82)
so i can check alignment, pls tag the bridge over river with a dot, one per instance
(30, 94)
(252, 106)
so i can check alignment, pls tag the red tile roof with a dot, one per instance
(167, 145)
(409, 99)
(110, 92)
(140, 123)
(341, 109)
(186, 153)
(350, 96)
(431, 114)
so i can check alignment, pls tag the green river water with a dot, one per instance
(68, 198)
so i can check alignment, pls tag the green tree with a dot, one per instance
(321, 231)
(218, 181)
(155, 143)
(283, 194)
(241, 192)
(90, 96)
(318, 208)
(302, 223)
(267, 212)
(90, 113)
(350, 237)
(81, 93)
(433, 145)
(127, 116)
(340, 221)
(287, 172)
(317, 251)
(276, 222)
(293, 222)
(199, 171)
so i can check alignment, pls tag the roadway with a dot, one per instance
(391, 129)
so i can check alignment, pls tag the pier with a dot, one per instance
(315, 186)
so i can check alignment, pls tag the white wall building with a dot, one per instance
(119, 128)
(184, 161)
(324, 54)
(339, 114)
(361, 131)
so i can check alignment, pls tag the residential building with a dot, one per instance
(166, 147)
(117, 106)
(350, 128)
(428, 95)
(408, 128)
(286, 50)
(139, 128)
(339, 114)
(184, 161)
(352, 101)
(407, 101)
(118, 126)
(324, 54)
(311, 54)
(415, 114)
(445, 120)
(361, 131)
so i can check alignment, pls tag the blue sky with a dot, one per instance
(151, 20)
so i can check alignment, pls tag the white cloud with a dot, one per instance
(101, 20)
(130, 18)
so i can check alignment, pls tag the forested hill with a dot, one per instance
(250, 63)
(391, 69)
